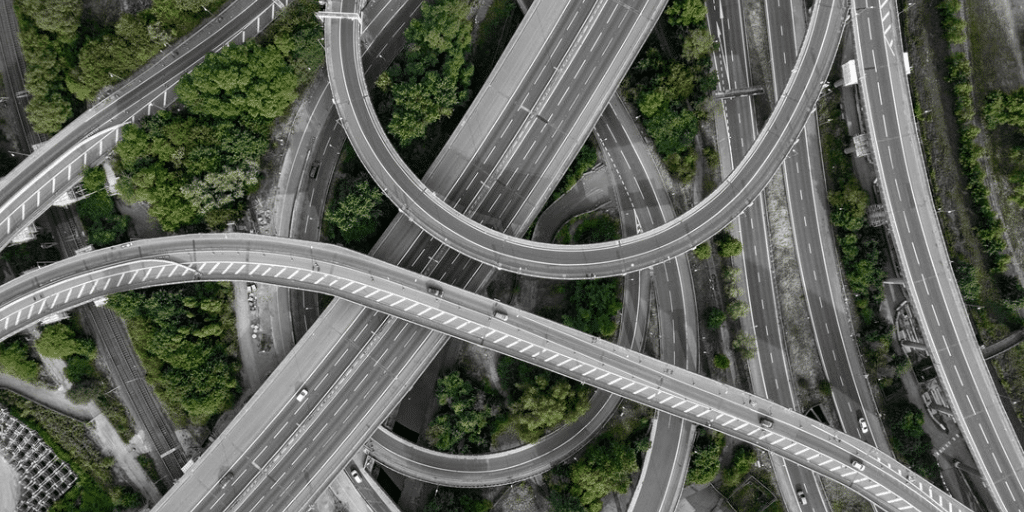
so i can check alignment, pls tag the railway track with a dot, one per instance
(13, 69)
(115, 348)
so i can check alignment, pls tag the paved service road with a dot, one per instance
(925, 265)
(479, 242)
(375, 284)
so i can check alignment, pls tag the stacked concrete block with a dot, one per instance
(44, 478)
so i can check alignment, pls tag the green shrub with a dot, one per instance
(721, 361)
(16, 360)
(59, 340)
(743, 459)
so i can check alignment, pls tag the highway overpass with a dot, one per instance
(332, 270)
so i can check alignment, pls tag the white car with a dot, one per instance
(857, 464)
(355, 476)
(302, 395)
(863, 425)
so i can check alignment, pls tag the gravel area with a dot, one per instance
(127, 465)
(9, 487)
(522, 497)
(792, 300)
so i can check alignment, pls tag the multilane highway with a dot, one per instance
(921, 251)
(328, 269)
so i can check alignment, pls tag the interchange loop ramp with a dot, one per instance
(448, 225)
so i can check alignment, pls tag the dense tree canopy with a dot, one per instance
(434, 74)
(249, 83)
(606, 466)
(451, 500)
(185, 336)
(670, 92)
(60, 340)
(541, 400)
(111, 58)
(461, 423)
(60, 17)
(190, 169)
(197, 166)
(593, 306)
(357, 212)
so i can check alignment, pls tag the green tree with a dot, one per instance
(721, 361)
(606, 466)
(728, 246)
(715, 318)
(94, 179)
(102, 222)
(60, 340)
(706, 458)
(357, 212)
(736, 309)
(686, 13)
(702, 251)
(1001, 108)
(744, 345)
(61, 17)
(435, 76)
(16, 360)
(48, 114)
